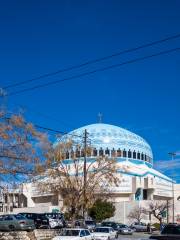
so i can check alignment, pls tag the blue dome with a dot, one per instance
(109, 136)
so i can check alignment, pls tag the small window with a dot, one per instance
(94, 152)
(124, 153)
(107, 151)
(72, 154)
(134, 155)
(129, 154)
(138, 155)
(82, 153)
(67, 155)
(113, 153)
(118, 152)
(101, 152)
(142, 156)
(77, 153)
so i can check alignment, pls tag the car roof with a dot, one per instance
(103, 227)
(76, 229)
(3, 215)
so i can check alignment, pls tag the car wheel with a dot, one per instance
(11, 227)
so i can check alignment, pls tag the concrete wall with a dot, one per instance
(37, 209)
(124, 208)
(35, 235)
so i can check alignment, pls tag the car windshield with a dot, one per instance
(69, 232)
(109, 224)
(123, 226)
(104, 230)
(54, 215)
(89, 222)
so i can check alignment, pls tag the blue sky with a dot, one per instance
(38, 37)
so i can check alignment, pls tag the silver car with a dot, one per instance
(124, 229)
(15, 222)
(139, 227)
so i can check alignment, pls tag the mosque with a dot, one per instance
(140, 182)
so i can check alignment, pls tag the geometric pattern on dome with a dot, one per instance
(110, 136)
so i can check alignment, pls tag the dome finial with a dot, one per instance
(100, 115)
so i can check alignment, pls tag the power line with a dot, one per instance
(94, 71)
(57, 131)
(93, 61)
(46, 116)
(52, 130)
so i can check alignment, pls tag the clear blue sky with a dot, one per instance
(38, 37)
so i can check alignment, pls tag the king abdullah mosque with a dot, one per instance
(140, 181)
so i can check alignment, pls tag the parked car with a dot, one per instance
(12, 222)
(169, 232)
(104, 233)
(90, 224)
(74, 234)
(139, 227)
(114, 225)
(56, 220)
(40, 220)
(79, 223)
(124, 229)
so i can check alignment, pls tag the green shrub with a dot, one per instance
(156, 225)
(101, 210)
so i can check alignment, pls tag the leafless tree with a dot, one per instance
(137, 214)
(157, 208)
(23, 149)
(67, 177)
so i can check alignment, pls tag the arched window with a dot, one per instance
(67, 155)
(124, 153)
(145, 157)
(107, 151)
(119, 152)
(89, 152)
(94, 152)
(72, 154)
(138, 155)
(82, 152)
(142, 156)
(101, 152)
(77, 152)
(113, 153)
(134, 155)
(129, 154)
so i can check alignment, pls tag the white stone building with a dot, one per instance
(140, 182)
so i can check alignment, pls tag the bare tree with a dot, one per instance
(137, 214)
(157, 208)
(67, 177)
(23, 149)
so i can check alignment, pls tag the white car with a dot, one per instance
(74, 234)
(104, 233)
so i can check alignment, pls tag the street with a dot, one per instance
(136, 235)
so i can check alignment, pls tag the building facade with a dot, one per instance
(140, 182)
